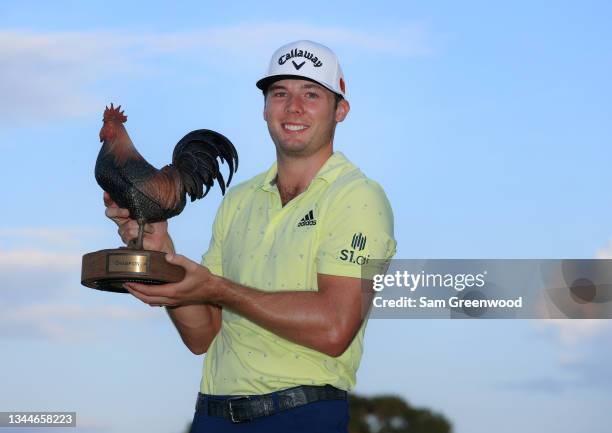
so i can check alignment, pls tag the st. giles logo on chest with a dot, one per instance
(358, 243)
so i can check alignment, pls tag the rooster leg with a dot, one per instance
(141, 225)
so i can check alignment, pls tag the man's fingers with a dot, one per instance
(147, 299)
(116, 212)
(177, 259)
(128, 231)
(128, 227)
(113, 211)
(108, 201)
(131, 227)
(128, 237)
(154, 292)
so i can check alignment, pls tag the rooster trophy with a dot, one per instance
(151, 195)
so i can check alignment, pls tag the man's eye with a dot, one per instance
(312, 95)
(279, 94)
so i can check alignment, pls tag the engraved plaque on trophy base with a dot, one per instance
(108, 269)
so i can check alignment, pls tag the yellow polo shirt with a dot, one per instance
(342, 220)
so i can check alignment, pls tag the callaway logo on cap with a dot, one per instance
(308, 60)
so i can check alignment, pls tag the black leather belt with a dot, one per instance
(248, 407)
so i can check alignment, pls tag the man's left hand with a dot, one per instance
(195, 288)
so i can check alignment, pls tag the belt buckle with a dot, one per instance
(231, 409)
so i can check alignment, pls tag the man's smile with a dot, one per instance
(294, 127)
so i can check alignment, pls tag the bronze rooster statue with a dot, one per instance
(150, 194)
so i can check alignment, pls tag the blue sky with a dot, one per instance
(487, 124)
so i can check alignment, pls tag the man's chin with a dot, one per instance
(293, 146)
(295, 151)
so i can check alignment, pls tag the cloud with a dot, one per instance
(25, 259)
(582, 358)
(583, 352)
(62, 322)
(45, 75)
(31, 274)
(605, 252)
(51, 75)
(40, 291)
(571, 332)
(40, 263)
(68, 237)
(254, 39)
(73, 312)
(592, 368)
(584, 367)
(544, 384)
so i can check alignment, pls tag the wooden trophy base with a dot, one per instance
(108, 269)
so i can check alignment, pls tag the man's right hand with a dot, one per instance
(156, 236)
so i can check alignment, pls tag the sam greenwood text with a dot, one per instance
(452, 302)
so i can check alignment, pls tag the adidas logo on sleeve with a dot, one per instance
(308, 220)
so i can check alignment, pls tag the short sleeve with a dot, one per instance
(357, 228)
(213, 258)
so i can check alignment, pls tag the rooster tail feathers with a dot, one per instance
(195, 157)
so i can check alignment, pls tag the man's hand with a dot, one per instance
(155, 235)
(198, 286)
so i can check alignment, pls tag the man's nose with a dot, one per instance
(294, 105)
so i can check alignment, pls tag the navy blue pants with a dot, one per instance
(330, 416)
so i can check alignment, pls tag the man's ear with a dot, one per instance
(265, 114)
(342, 110)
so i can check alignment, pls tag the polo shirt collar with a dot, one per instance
(328, 172)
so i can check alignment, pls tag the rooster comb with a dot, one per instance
(113, 113)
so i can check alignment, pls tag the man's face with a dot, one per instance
(302, 116)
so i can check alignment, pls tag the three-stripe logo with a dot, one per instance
(308, 220)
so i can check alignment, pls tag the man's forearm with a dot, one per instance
(309, 318)
(325, 320)
(196, 324)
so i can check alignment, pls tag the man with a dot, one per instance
(277, 301)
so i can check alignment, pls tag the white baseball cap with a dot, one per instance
(307, 60)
